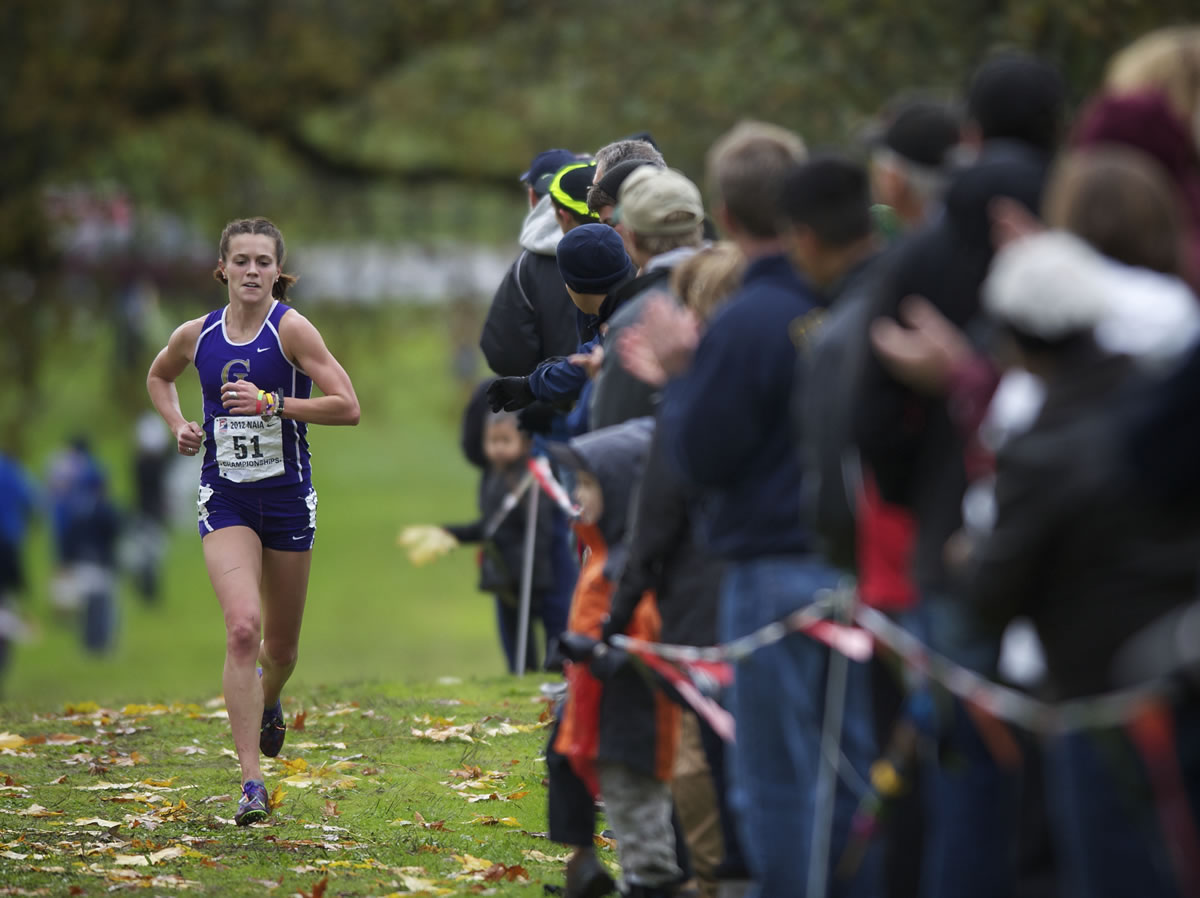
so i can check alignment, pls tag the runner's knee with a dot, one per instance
(280, 655)
(242, 636)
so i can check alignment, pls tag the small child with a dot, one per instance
(617, 733)
(505, 453)
(594, 266)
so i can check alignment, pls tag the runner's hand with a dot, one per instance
(240, 397)
(189, 437)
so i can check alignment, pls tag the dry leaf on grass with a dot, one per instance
(495, 821)
(504, 873)
(36, 810)
(473, 864)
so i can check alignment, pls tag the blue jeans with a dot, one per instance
(972, 804)
(778, 701)
(1104, 814)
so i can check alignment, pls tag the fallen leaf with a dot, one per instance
(472, 863)
(418, 886)
(276, 798)
(298, 721)
(11, 740)
(97, 821)
(504, 873)
(131, 860)
(540, 857)
(143, 710)
(495, 821)
(166, 854)
(191, 750)
(491, 796)
(294, 765)
(36, 810)
(67, 739)
(58, 782)
(330, 809)
(268, 884)
(604, 841)
(81, 708)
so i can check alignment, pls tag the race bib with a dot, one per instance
(248, 448)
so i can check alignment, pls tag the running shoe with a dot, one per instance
(254, 805)
(273, 731)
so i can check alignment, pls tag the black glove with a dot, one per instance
(606, 661)
(537, 418)
(577, 646)
(510, 394)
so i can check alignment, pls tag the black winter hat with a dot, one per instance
(922, 132)
(592, 259)
(1018, 97)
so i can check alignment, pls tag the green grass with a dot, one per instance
(370, 614)
(140, 797)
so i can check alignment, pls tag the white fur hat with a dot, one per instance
(1050, 285)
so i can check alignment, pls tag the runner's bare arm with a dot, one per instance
(303, 345)
(171, 362)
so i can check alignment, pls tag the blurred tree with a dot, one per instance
(219, 107)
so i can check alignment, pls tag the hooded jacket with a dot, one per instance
(531, 317)
(906, 438)
(623, 719)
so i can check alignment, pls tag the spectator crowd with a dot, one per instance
(954, 365)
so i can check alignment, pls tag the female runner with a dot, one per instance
(257, 359)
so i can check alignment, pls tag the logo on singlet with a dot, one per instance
(227, 373)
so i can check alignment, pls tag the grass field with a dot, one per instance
(430, 789)
(370, 613)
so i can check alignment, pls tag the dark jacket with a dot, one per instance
(503, 552)
(728, 419)
(1164, 434)
(1078, 545)
(907, 439)
(556, 379)
(618, 395)
(531, 317)
(664, 556)
(826, 370)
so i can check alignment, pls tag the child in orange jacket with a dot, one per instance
(618, 733)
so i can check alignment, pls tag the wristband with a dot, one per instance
(279, 405)
(258, 403)
(269, 411)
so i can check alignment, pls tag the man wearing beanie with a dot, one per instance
(661, 217)
(593, 264)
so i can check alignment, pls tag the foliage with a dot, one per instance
(349, 118)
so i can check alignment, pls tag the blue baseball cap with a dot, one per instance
(546, 162)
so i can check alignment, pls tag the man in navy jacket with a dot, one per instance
(726, 419)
